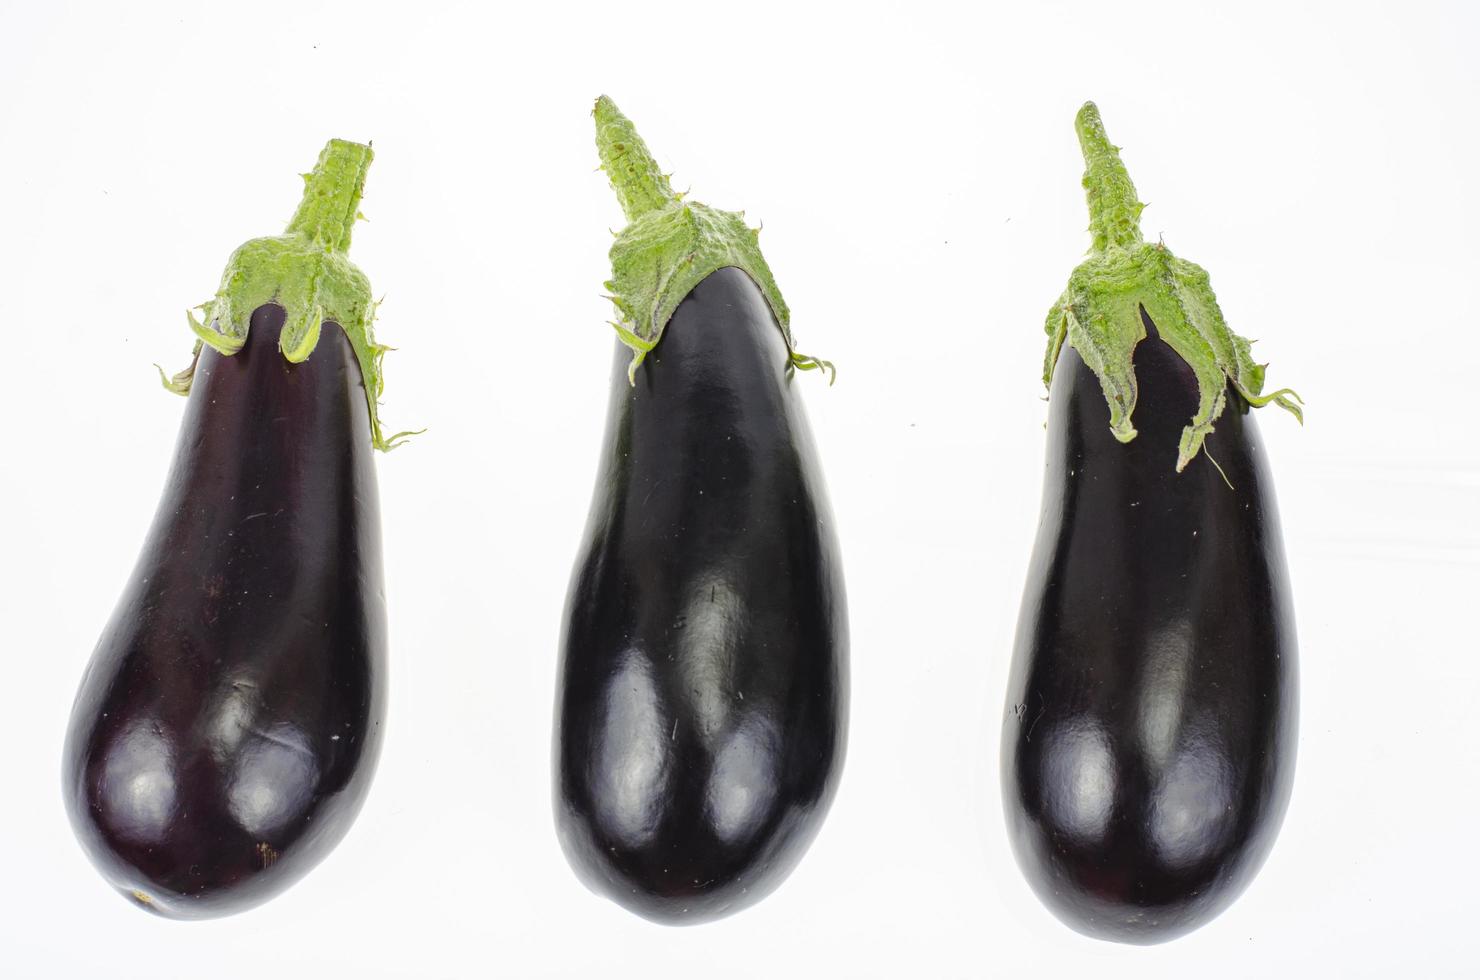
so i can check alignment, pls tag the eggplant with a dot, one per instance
(1148, 746)
(701, 707)
(227, 727)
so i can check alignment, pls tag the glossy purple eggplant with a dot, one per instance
(229, 721)
(1148, 746)
(702, 700)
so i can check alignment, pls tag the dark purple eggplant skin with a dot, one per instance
(1148, 748)
(701, 710)
(228, 725)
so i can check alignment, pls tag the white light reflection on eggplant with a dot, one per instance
(139, 783)
(633, 756)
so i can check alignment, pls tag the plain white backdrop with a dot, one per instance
(917, 173)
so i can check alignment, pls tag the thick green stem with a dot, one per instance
(331, 196)
(1114, 209)
(1099, 314)
(307, 271)
(671, 245)
(641, 186)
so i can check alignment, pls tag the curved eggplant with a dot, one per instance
(227, 727)
(1149, 743)
(702, 699)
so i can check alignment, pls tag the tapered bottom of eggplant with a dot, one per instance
(673, 883)
(187, 908)
(680, 903)
(1130, 924)
(690, 877)
(1128, 891)
(208, 902)
(683, 910)
(179, 908)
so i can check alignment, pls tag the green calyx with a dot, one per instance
(306, 270)
(671, 245)
(1099, 314)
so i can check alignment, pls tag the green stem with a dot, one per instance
(671, 245)
(1126, 278)
(331, 196)
(1114, 210)
(306, 271)
(641, 186)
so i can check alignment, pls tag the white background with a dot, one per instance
(918, 176)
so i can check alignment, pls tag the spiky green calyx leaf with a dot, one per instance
(307, 271)
(671, 245)
(1099, 314)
